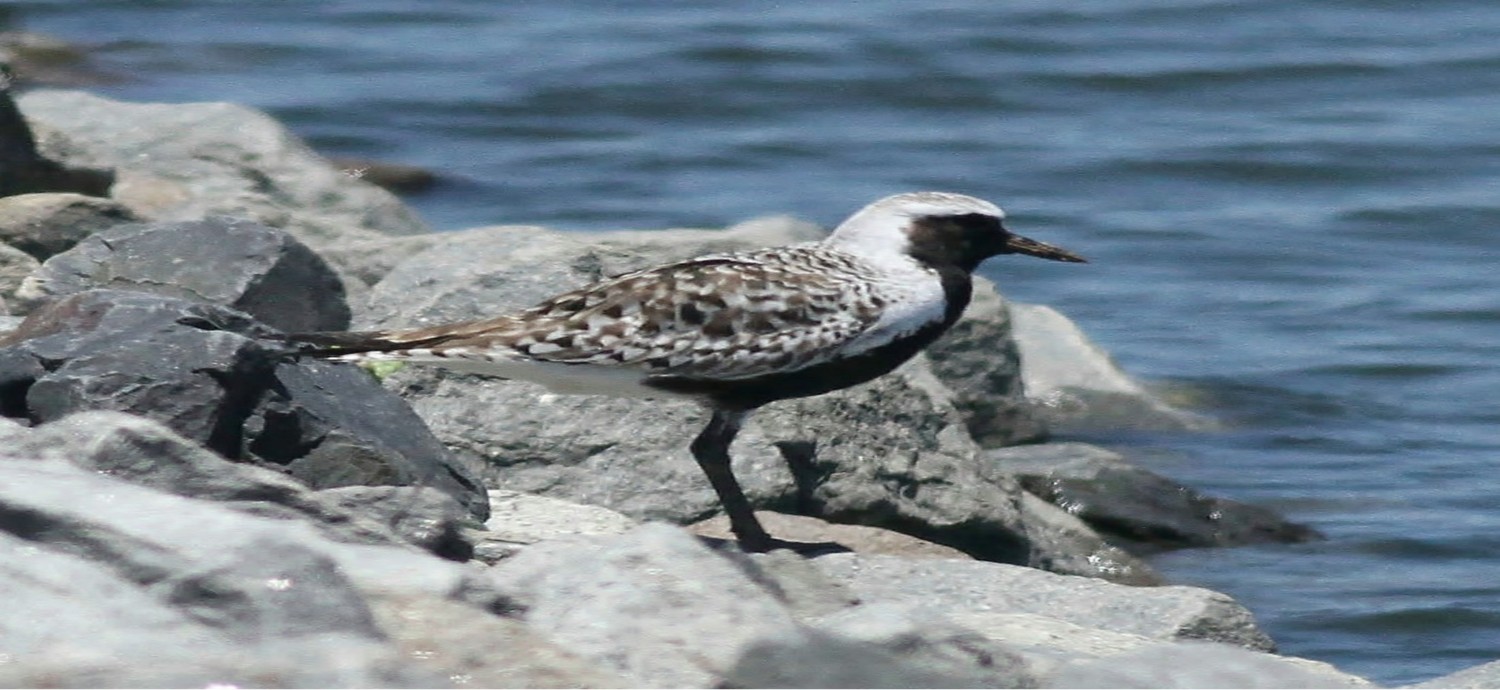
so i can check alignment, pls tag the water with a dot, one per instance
(1293, 209)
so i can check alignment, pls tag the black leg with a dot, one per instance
(711, 450)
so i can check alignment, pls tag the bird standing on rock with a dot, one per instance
(735, 331)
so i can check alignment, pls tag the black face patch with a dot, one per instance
(961, 240)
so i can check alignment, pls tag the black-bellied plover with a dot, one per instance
(735, 331)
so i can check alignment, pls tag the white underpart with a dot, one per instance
(565, 379)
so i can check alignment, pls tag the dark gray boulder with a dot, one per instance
(261, 271)
(208, 373)
(1137, 509)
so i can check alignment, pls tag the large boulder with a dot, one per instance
(1138, 509)
(208, 373)
(185, 161)
(133, 558)
(261, 271)
(658, 607)
(1074, 385)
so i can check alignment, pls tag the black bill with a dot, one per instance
(1016, 244)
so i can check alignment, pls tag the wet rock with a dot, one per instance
(186, 161)
(261, 271)
(1061, 543)
(46, 224)
(892, 454)
(1164, 613)
(1074, 385)
(223, 387)
(1137, 509)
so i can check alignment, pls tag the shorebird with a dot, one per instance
(735, 331)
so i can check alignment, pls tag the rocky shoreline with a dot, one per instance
(254, 519)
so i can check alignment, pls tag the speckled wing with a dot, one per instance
(720, 317)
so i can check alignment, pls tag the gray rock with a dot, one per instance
(46, 224)
(882, 646)
(1061, 543)
(423, 517)
(472, 648)
(807, 593)
(662, 609)
(1198, 665)
(223, 388)
(654, 605)
(1074, 385)
(518, 519)
(1481, 676)
(368, 259)
(261, 271)
(187, 161)
(1167, 613)
(1137, 509)
(136, 585)
(15, 266)
(891, 454)
(979, 361)
(145, 453)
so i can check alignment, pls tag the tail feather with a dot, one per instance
(336, 343)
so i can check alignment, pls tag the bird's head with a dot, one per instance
(937, 229)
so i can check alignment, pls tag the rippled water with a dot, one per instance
(1293, 209)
